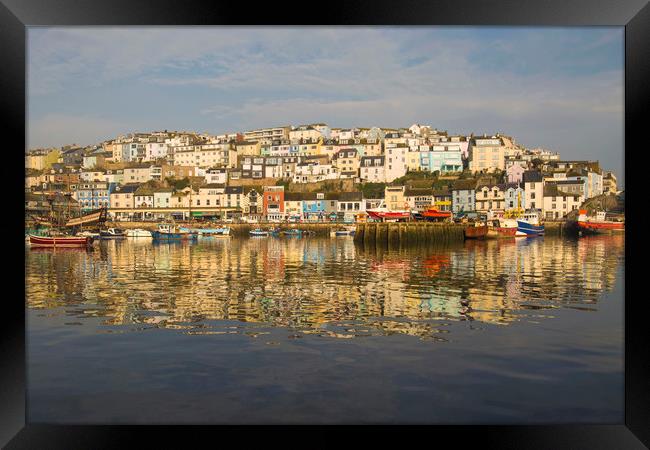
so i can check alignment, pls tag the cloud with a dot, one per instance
(533, 83)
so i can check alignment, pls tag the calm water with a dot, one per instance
(295, 330)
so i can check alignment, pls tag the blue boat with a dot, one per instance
(167, 232)
(529, 225)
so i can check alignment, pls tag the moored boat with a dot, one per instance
(292, 232)
(529, 225)
(432, 214)
(478, 230)
(90, 234)
(138, 233)
(258, 232)
(167, 232)
(502, 228)
(599, 224)
(383, 213)
(112, 233)
(214, 232)
(60, 241)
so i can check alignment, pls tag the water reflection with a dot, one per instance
(323, 286)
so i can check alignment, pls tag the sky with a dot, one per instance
(555, 88)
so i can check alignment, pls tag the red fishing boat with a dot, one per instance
(60, 241)
(599, 224)
(502, 228)
(383, 213)
(477, 230)
(434, 214)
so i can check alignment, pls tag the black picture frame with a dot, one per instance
(16, 15)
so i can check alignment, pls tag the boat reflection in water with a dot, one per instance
(306, 283)
(320, 330)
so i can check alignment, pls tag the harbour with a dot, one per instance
(324, 330)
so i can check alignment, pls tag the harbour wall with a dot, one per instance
(368, 233)
(408, 233)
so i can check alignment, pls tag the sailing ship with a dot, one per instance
(599, 224)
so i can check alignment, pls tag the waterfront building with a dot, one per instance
(293, 206)
(349, 205)
(394, 197)
(463, 196)
(442, 199)
(418, 199)
(273, 202)
(515, 196)
(313, 206)
(490, 197)
(533, 190)
(251, 204)
(162, 197)
(93, 195)
(143, 197)
(557, 203)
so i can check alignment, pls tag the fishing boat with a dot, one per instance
(383, 213)
(501, 228)
(433, 214)
(138, 233)
(112, 233)
(170, 232)
(599, 224)
(60, 241)
(477, 230)
(529, 225)
(214, 232)
(258, 232)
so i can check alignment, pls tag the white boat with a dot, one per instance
(138, 233)
(90, 234)
(258, 232)
(216, 232)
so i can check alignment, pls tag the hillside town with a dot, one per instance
(310, 173)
